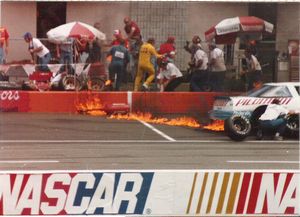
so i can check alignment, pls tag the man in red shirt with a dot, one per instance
(132, 30)
(168, 48)
(3, 42)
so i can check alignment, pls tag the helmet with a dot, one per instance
(196, 39)
(163, 61)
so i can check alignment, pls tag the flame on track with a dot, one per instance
(95, 107)
(216, 125)
(148, 117)
(92, 107)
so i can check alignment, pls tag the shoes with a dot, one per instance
(145, 87)
(277, 137)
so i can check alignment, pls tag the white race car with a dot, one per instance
(241, 113)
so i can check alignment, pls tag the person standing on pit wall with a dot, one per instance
(134, 38)
(133, 32)
(253, 73)
(4, 36)
(145, 65)
(120, 58)
(36, 47)
(198, 64)
(217, 67)
(168, 48)
(169, 77)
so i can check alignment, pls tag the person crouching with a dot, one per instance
(169, 77)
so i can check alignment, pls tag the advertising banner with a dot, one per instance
(150, 193)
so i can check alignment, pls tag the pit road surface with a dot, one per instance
(80, 142)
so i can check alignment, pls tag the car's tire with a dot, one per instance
(70, 83)
(96, 84)
(292, 125)
(237, 127)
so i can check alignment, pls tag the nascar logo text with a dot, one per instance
(74, 193)
(244, 193)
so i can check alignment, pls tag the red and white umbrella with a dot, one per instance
(75, 30)
(226, 31)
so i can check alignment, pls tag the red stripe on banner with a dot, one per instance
(251, 21)
(254, 192)
(289, 210)
(243, 193)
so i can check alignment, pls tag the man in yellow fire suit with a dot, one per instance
(146, 52)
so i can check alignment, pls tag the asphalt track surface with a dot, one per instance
(81, 142)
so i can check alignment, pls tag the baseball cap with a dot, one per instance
(117, 32)
(27, 35)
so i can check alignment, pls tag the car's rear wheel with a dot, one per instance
(237, 127)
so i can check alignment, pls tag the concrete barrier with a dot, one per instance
(67, 102)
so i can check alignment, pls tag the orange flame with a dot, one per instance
(216, 125)
(147, 117)
(94, 107)
(91, 107)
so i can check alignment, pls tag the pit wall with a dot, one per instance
(67, 102)
(150, 193)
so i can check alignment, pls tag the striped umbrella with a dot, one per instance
(226, 31)
(75, 30)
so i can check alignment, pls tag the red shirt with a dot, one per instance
(117, 42)
(3, 36)
(166, 48)
(129, 26)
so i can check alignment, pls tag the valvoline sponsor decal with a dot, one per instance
(74, 193)
(260, 101)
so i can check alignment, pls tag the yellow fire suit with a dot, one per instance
(144, 65)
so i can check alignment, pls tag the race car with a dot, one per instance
(241, 113)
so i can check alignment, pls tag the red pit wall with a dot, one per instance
(65, 102)
(173, 102)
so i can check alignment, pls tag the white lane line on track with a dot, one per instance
(157, 131)
(27, 161)
(263, 162)
(141, 141)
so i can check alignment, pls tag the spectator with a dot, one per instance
(198, 66)
(36, 47)
(95, 48)
(217, 67)
(120, 58)
(145, 65)
(135, 42)
(64, 52)
(3, 43)
(82, 47)
(273, 117)
(132, 30)
(196, 43)
(168, 48)
(253, 73)
(169, 76)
